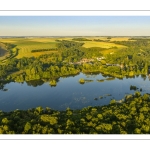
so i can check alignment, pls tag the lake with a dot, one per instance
(69, 92)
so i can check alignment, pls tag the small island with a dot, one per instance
(82, 81)
(53, 83)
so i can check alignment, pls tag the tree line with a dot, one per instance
(43, 50)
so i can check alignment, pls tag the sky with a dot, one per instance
(74, 25)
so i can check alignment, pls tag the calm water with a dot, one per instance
(69, 93)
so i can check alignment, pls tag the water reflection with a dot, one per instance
(35, 83)
(143, 77)
(68, 92)
(2, 85)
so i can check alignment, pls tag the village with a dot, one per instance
(86, 60)
(91, 61)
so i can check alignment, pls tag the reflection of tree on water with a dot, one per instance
(149, 77)
(143, 77)
(130, 77)
(2, 85)
(35, 83)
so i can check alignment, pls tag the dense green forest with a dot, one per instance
(129, 117)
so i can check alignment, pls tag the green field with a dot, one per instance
(109, 48)
(101, 44)
(24, 46)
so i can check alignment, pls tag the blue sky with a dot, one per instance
(74, 25)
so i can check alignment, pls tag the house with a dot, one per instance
(100, 58)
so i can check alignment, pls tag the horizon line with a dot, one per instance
(76, 36)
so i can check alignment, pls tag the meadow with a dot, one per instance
(24, 46)
(109, 46)
(89, 44)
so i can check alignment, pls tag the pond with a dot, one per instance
(69, 92)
